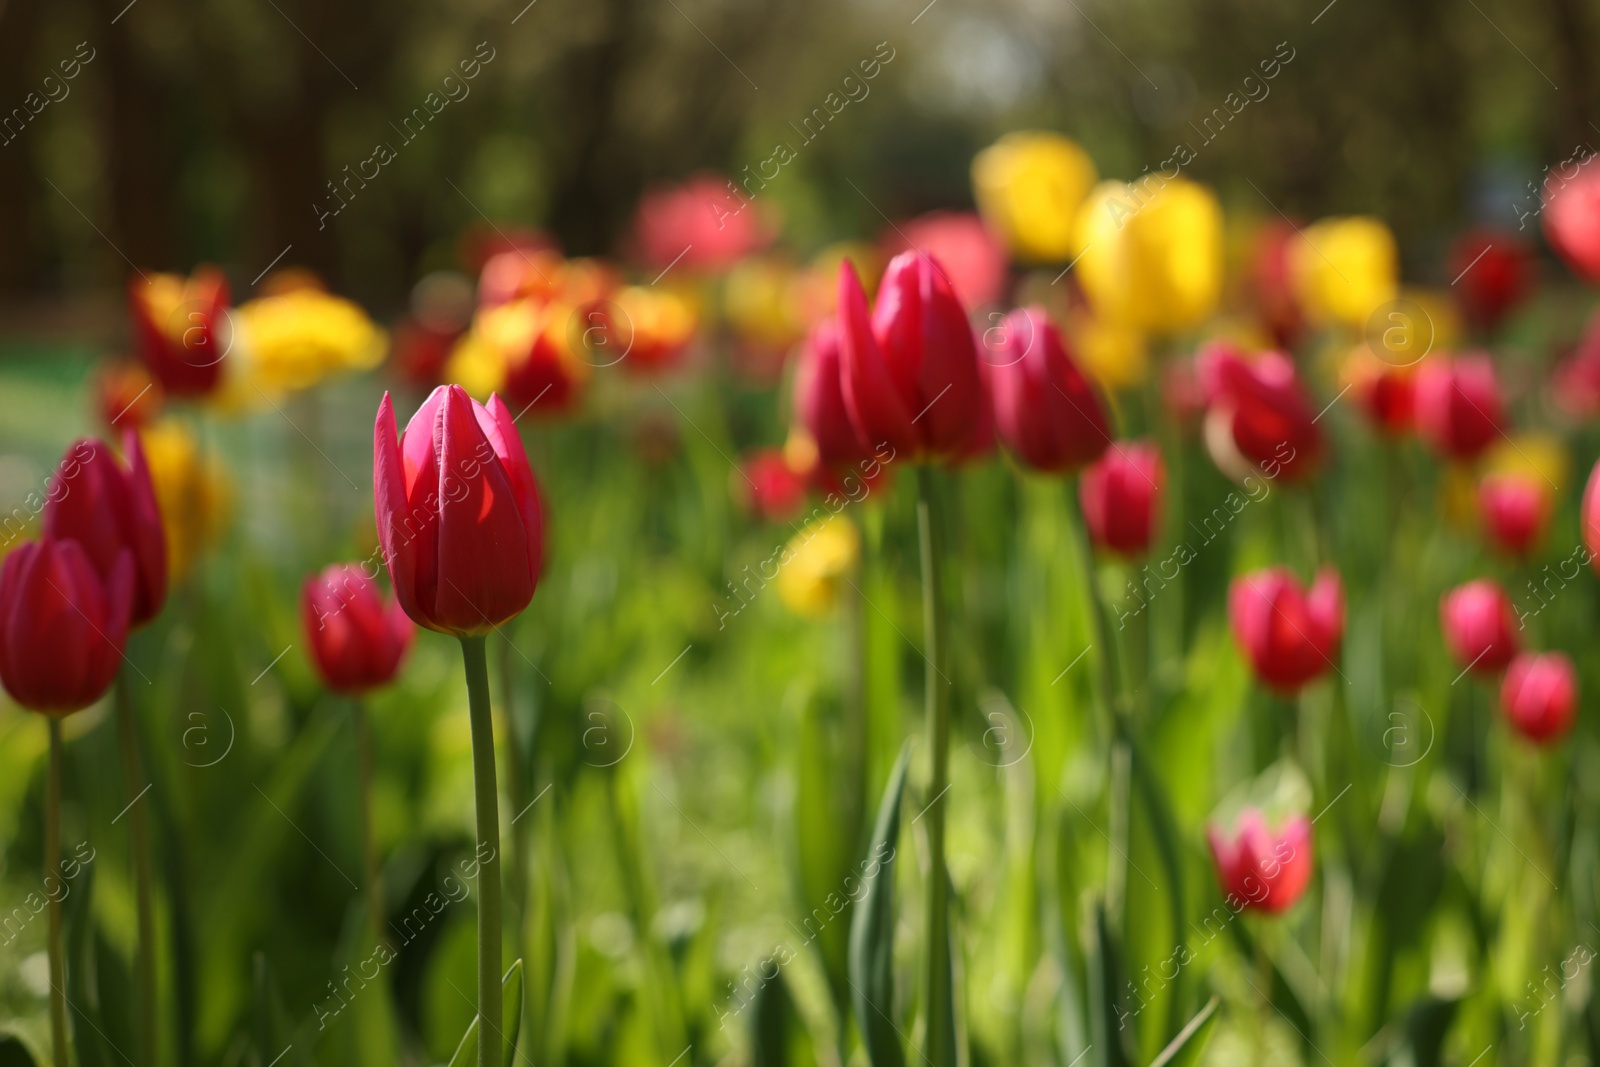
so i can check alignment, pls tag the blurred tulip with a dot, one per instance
(125, 396)
(294, 340)
(458, 512)
(1114, 354)
(1571, 219)
(1151, 253)
(772, 489)
(524, 351)
(1458, 405)
(1044, 408)
(816, 564)
(707, 221)
(1029, 186)
(1345, 269)
(190, 492)
(971, 256)
(761, 305)
(910, 370)
(62, 627)
(819, 404)
(1589, 517)
(1540, 695)
(1272, 281)
(1121, 496)
(1492, 269)
(110, 509)
(421, 352)
(1290, 635)
(1258, 408)
(181, 329)
(1260, 868)
(1385, 393)
(1479, 626)
(520, 274)
(1514, 509)
(357, 639)
(645, 328)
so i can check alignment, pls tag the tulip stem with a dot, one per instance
(490, 1035)
(369, 841)
(52, 869)
(133, 785)
(940, 992)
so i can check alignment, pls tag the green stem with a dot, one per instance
(133, 784)
(490, 1035)
(52, 869)
(369, 840)
(941, 1016)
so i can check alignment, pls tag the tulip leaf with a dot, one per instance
(1106, 1026)
(778, 1036)
(511, 1000)
(1185, 1049)
(828, 825)
(88, 1033)
(872, 931)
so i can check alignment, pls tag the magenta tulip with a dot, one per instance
(62, 627)
(1044, 408)
(1514, 509)
(1290, 635)
(1260, 868)
(819, 400)
(1540, 695)
(1458, 404)
(1121, 496)
(1479, 626)
(357, 640)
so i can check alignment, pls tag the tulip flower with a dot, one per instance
(110, 509)
(458, 512)
(816, 564)
(1514, 509)
(819, 404)
(1261, 868)
(772, 490)
(1479, 626)
(1258, 410)
(708, 221)
(357, 640)
(645, 328)
(125, 396)
(1272, 281)
(973, 260)
(1114, 354)
(1044, 408)
(1458, 405)
(1151, 253)
(1492, 269)
(1345, 269)
(181, 329)
(910, 369)
(62, 625)
(1571, 219)
(761, 304)
(294, 340)
(1290, 635)
(1121, 496)
(1589, 517)
(190, 491)
(1029, 186)
(1540, 695)
(1386, 393)
(524, 351)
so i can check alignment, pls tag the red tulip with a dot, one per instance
(1459, 409)
(1272, 281)
(819, 399)
(1492, 268)
(708, 221)
(1263, 407)
(458, 512)
(1589, 517)
(1044, 408)
(1262, 869)
(62, 627)
(546, 378)
(125, 396)
(1514, 508)
(1121, 496)
(1571, 219)
(109, 508)
(1479, 626)
(910, 370)
(1290, 635)
(974, 259)
(357, 640)
(180, 329)
(1540, 695)
(772, 489)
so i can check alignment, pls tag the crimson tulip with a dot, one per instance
(1289, 634)
(1458, 405)
(1044, 407)
(1540, 695)
(543, 378)
(109, 508)
(819, 399)
(1479, 626)
(458, 512)
(357, 640)
(1121, 496)
(960, 242)
(1262, 868)
(1261, 408)
(1571, 219)
(910, 368)
(1514, 509)
(180, 329)
(772, 489)
(62, 626)
(1493, 269)
(1589, 517)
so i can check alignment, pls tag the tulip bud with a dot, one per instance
(1492, 268)
(1260, 868)
(1121, 496)
(62, 627)
(1514, 509)
(181, 329)
(1290, 636)
(1479, 626)
(458, 512)
(1458, 405)
(910, 370)
(1044, 408)
(1540, 695)
(819, 399)
(357, 640)
(1571, 218)
(110, 509)
(1260, 408)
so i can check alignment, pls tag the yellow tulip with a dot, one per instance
(1150, 253)
(1115, 354)
(816, 562)
(760, 302)
(191, 493)
(1029, 186)
(296, 339)
(1344, 269)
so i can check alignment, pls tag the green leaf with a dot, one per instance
(1106, 1025)
(872, 931)
(1185, 1049)
(83, 1003)
(778, 1037)
(511, 997)
(1427, 1025)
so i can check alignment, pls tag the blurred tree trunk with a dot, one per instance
(1575, 74)
(22, 253)
(142, 160)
